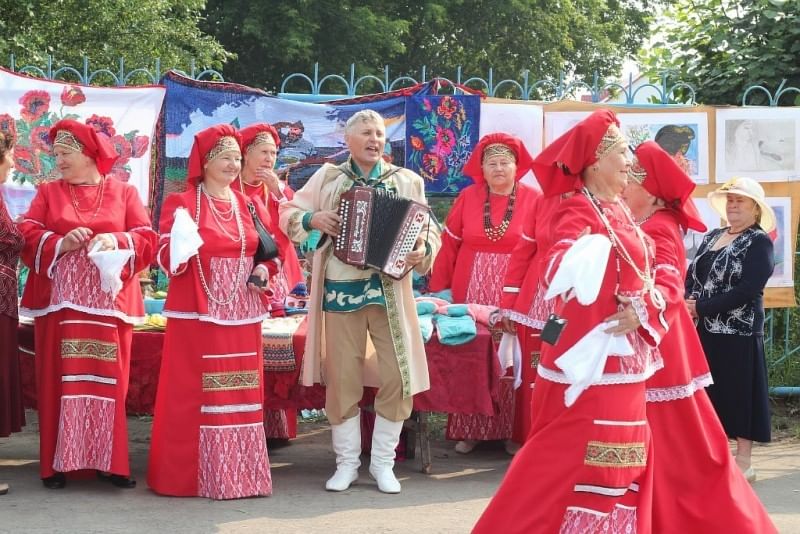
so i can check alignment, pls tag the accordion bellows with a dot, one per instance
(378, 229)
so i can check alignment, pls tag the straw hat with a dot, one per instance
(746, 187)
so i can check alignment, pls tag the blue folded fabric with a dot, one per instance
(455, 330)
(456, 310)
(426, 326)
(425, 308)
(444, 294)
(311, 243)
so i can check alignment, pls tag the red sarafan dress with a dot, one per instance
(523, 301)
(474, 267)
(586, 468)
(697, 485)
(208, 428)
(280, 424)
(82, 333)
(12, 410)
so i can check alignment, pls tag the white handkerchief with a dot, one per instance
(509, 353)
(110, 264)
(583, 363)
(184, 239)
(582, 268)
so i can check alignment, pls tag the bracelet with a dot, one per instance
(306, 222)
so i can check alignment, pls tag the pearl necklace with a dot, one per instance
(220, 217)
(644, 275)
(76, 204)
(240, 270)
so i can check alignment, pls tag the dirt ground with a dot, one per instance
(448, 500)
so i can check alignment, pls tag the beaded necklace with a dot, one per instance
(98, 200)
(221, 217)
(621, 252)
(240, 270)
(495, 233)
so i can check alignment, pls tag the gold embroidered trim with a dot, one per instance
(603, 454)
(262, 138)
(535, 357)
(397, 335)
(224, 144)
(498, 149)
(611, 139)
(89, 348)
(637, 172)
(65, 139)
(230, 381)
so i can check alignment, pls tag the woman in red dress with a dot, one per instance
(12, 412)
(208, 429)
(585, 465)
(523, 302)
(259, 182)
(697, 485)
(474, 257)
(83, 330)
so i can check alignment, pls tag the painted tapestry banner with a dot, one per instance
(311, 134)
(761, 143)
(525, 121)
(127, 116)
(441, 132)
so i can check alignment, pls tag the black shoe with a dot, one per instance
(118, 481)
(57, 481)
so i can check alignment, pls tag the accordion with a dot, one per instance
(378, 229)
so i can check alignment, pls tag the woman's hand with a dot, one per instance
(418, 254)
(270, 179)
(627, 319)
(326, 221)
(106, 242)
(262, 274)
(507, 325)
(75, 239)
(691, 305)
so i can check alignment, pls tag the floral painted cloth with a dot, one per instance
(441, 132)
(125, 115)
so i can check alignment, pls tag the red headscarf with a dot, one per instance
(665, 179)
(94, 145)
(474, 169)
(204, 141)
(558, 167)
(249, 135)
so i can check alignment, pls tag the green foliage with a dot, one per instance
(137, 30)
(543, 37)
(723, 46)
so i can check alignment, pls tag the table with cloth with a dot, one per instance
(464, 378)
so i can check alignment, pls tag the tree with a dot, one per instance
(721, 47)
(137, 30)
(544, 37)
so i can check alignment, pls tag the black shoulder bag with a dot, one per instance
(267, 249)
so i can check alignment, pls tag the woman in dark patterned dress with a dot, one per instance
(12, 413)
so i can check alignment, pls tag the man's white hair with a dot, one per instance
(365, 115)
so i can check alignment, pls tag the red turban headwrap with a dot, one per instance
(255, 134)
(204, 142)
(558, 167)
(90, 143)
(663, 178)
(474, 169)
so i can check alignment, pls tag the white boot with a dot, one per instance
(385, 437)
(347, 446)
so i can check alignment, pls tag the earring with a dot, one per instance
(595, 168)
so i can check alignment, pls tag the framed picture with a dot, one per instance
(683, 135)
(761, 143)
(782, 276)
(712, 220)
(522, 120)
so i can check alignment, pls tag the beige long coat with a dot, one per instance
(322, 192)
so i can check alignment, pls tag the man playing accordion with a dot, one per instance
(362, 324)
